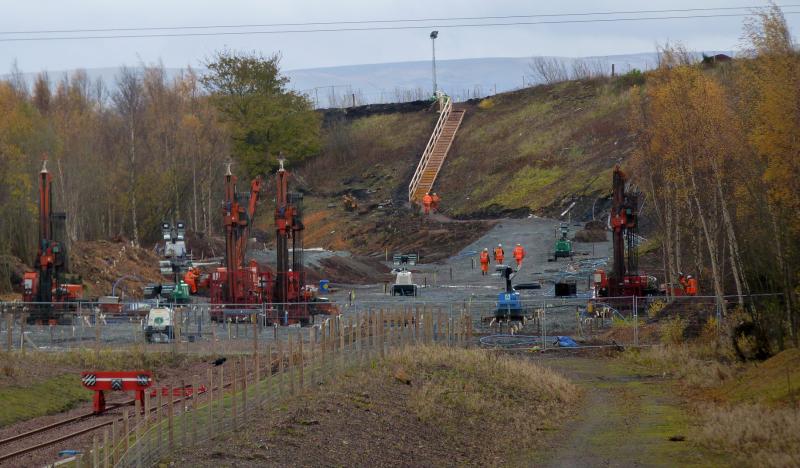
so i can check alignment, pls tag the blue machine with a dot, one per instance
(509, 304)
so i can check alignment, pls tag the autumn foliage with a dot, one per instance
(718, 154)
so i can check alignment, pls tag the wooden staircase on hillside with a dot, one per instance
(436, 151)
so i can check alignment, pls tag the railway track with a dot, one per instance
(18, 438)
(6, 456)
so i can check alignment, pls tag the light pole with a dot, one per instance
(434, 35)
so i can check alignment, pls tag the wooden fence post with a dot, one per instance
(341, 340)
(114, 441)
(280, 367)
(221, 397)
(97, 336)
(126, 429)
(291, 362)
(254, 319)
(95, 452)
(301, 362)
(312, 338)
(195, 390)
(210, 423)
(159, 403)
(170, 421)
(235, 375)
(257, 384)
(106, 462)
(381, 334)
(244, 390)
(9, 331)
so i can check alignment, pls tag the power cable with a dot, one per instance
(377, 28)
(407, 20)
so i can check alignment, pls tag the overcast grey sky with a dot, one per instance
(346, 48)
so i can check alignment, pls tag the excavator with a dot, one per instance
(50, 282)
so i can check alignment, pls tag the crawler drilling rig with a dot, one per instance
(624, 278)
(51, 281)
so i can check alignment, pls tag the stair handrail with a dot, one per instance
(437, 131)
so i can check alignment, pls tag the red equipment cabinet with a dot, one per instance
(115, 381)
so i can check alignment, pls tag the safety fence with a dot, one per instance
(231, 395)
(214, 329)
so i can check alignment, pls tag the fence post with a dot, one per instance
(280, 368)
(210, 399)
(301, 360)
(97, 335)
(126, 429)
(170, 421)
(221, 397)
(106, 462)
(195, 390)
(136, 426)
(114, 441)
(95, 452)
(159, 402)
(9, 331)
(380, 325)
(257, 384)
(244, 390)
(235, 415)
(254, 319)
(312, 337)
(416, 325)
(341, 340)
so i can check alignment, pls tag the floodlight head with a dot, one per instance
(434, 34)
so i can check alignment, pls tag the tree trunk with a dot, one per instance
(132, 180)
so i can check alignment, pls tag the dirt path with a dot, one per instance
(627, 419)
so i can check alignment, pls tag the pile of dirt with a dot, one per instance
(101, 263)
(590, 235)
(351, 270)
(11, 271)
(204, 246)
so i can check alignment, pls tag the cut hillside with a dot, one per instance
(537, 150)
(530, 151)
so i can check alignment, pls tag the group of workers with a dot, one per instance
(430, 203)
(500, 255)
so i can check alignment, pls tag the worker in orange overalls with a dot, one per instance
(519, 254)
(485, 262)
(426, 203)
(190, 278)
(691, 285)
(435, 199)
(499, 254)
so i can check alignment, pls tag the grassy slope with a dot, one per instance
(50, 396)
(533, 148)
(456, 401)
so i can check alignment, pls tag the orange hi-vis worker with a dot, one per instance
(190, 278)
(485, 262)
(426, 203)
(691, 286)
(519, 254)
(499, 254)
(435, 199)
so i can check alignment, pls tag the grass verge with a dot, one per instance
(51, 396)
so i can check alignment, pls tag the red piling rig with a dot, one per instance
(624, 279)
(290, 274)
(236, 284)
(48, 283)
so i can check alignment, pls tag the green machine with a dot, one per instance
(175, 293)
(563, 244)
